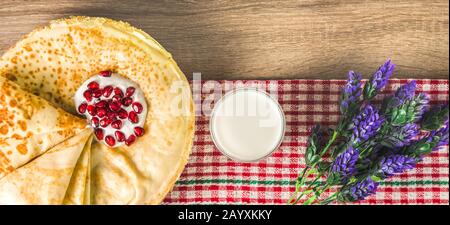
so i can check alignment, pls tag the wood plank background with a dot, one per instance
(269, 39)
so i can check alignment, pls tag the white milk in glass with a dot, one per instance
(247, 124)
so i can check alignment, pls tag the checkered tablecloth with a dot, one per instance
(212, 178)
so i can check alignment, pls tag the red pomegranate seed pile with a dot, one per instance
(107, 107)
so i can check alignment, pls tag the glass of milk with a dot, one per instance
(247, 124)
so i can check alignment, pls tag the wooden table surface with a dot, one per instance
(269, 39)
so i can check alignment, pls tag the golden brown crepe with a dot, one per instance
(45, 179)
(53, 61)
(78, 192)
(29, 126)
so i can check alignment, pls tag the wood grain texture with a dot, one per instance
(269, 39)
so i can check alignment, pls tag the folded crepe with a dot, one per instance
(78, 192)
(45, 180)
(53, 62)
(29, 126)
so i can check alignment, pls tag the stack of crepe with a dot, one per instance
(49, 156)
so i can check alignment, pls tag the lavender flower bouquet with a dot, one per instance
(371, 142)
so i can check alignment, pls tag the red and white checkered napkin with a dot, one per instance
(212, 178)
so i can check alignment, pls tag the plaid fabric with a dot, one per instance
(212, 178)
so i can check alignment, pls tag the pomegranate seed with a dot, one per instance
(101, 112)
(133, 117)
(127, 101)
(111, 115)
(130, 140)
(139, 131)
(106, 73)
(116, 124)
(107, 91)
(93, 85)
(91, 110)
(94, 122)
(137, 107)
(130, 91)
(123, 114)
(99, 133)
(119, 136)
(82, 107)
(97, 93)
(101, 104)
(118, 91)
(105, 122)
(110, 140)
(116, 98)
(114, 106)
(87, 95)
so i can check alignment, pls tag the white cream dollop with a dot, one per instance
(121, 82)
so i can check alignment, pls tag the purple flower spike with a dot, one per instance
(352, 91)
(433, 141)
(409, 132)
(345, 163)
(402, 136)
(366, 124)
(358, 191)
(395, 164)
(406, 92)
(442, 134)
(435, 117)
(421, 105)
(378, 80)
(363, 189)
(383, 74)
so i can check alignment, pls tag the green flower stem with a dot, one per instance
(334, 196)
(314, 182)
(310, 200)
(302, 178)
(363, 150)
(330, 142)
(305, 174)
(363, 144)
(314, 197)
(299, 182)
(329, 199)
(307, 191)
(325, 149)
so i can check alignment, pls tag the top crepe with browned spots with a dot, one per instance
(45, 179)
(29, 126)
(53, 61)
